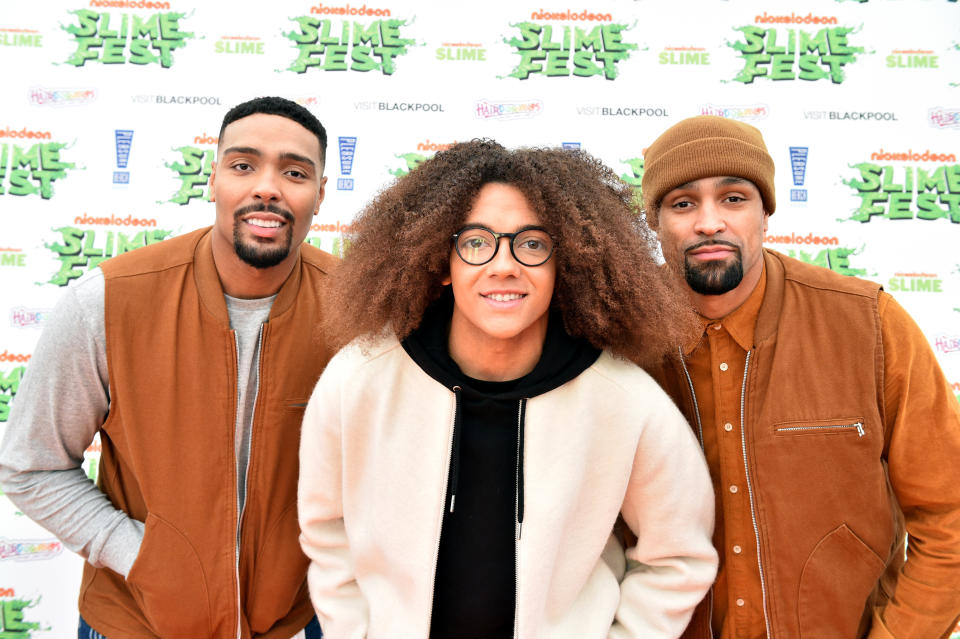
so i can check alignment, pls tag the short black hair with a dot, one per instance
(273, 105)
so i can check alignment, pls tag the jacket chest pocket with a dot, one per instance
(851, 426)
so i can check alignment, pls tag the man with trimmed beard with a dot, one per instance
(193, 359)
(827, 424)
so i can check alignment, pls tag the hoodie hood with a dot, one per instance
(562, 359)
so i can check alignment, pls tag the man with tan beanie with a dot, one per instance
(825, 419)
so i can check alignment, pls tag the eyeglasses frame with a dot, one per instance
(497, 238)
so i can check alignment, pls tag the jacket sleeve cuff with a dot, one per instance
(122, 548)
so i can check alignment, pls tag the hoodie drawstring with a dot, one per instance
(455, 454)
(520, 419)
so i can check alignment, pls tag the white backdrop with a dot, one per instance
(111, 109)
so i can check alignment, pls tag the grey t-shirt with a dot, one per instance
(60, 406)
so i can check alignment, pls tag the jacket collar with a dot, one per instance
(741, 323)
(769, 317)
(211, 292)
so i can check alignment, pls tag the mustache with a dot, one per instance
(711, 243)
(260, 207)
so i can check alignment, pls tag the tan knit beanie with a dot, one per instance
(705, 146)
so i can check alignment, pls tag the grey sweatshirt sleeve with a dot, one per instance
(62, 402)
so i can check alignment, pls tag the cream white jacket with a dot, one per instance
(374, 455)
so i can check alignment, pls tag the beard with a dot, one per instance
(259, 252)
(716, 277)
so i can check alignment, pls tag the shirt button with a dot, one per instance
(733, 489)
(741, 602)
(737, 550)
(728, 427)
(716, 327)
(723, 366)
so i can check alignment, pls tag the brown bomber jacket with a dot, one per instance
(168, 449)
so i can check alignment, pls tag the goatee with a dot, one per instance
(715, 277)
(262, 255)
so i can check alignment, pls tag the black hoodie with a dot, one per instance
(474, 585)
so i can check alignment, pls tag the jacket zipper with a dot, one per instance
(518, 525)
(436, 554)
(857, 425)
(753, 512)
(696, 412)
(246, 470)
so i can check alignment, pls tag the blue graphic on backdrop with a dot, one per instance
(348, 147)
(798, 165)
(123, 139)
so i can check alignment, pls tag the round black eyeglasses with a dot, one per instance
(478, 245)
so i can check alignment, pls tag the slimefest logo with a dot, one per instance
(84, 249)
(674, 56)
(348, 44)
(833, 256)
(10, 382)
(242, 45)
(915, 283)
(15, 616)
(561, 50)
(889, 189)
(20, 38)
(333, 242)
(912, 59)
(30, 168)
(414, 159)
(784, 53)
(121, 38)
(193, 170)
(461, 51)
(12, 257)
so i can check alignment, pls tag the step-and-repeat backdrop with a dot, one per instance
(111, 110)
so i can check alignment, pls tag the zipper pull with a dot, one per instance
(859, 426)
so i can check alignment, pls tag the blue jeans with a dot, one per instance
(84, 631)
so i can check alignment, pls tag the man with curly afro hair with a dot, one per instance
(465, 458)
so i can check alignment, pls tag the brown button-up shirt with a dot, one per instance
(716, 365)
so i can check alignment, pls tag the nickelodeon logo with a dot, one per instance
(793, 18)
(434, 146)
(347, 10)
(914, 156)
(584, 15)
(331, 228)
(7, 132)
(206, 139)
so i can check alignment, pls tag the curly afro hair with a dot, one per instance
(609, 287)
